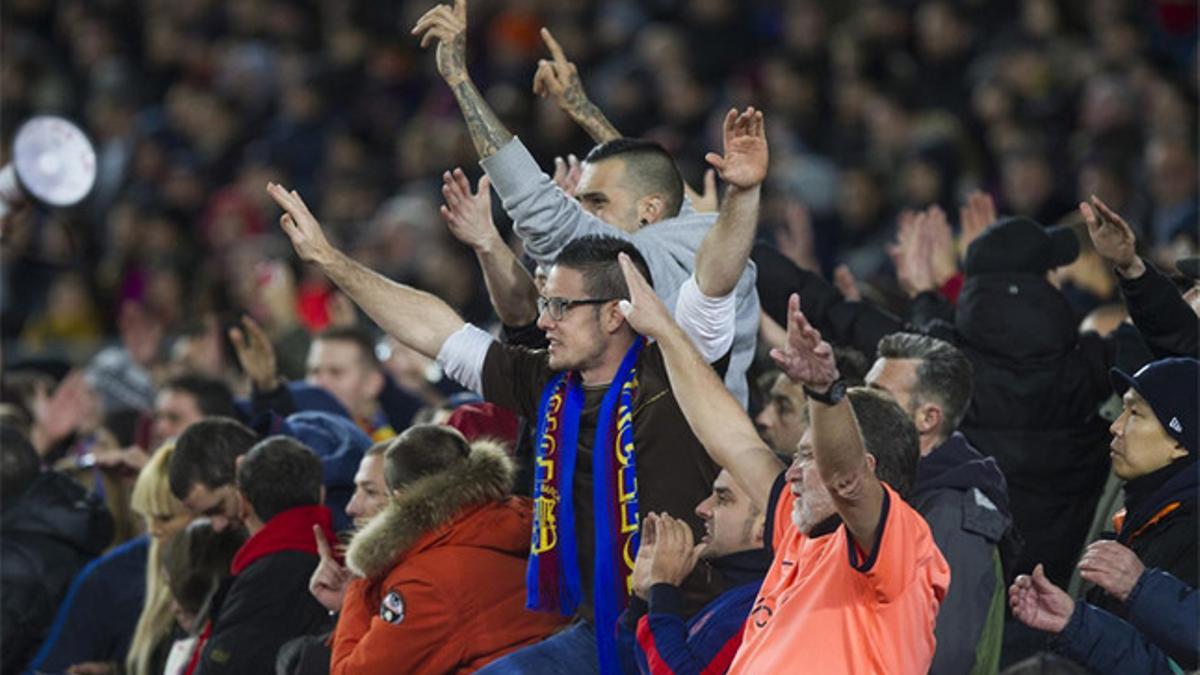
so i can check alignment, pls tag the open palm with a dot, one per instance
(805, 358)
(1039, 604)
(744, 164)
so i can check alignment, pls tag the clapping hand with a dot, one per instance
(667, 553)
(1111, 566)
(1039, 604)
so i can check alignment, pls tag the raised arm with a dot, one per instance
(837, 442)
(415, 318)
(447, 26)
(559, 78)
(716, 418)
(469, 217)
(726, 247)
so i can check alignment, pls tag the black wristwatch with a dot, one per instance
(831, 396)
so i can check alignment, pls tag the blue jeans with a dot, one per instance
(569, 651)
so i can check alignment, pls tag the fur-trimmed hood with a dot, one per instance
(428, 504)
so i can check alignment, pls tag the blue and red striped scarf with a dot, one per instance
(552, 579)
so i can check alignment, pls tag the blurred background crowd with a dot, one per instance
(873, 107)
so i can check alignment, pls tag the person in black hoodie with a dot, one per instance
(961, 494)
(1154, 446)
(50, 528)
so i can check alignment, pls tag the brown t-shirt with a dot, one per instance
(674, 472)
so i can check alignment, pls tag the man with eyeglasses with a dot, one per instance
(597, 385)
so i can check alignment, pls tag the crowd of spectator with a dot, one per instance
(920, 360)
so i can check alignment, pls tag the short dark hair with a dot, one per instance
(213, 397)
(206, 452)
(19, 464)
(423, 450)
(648, 166)
(945, 375)
(196, 559)
(278, 474)
(595, 256)
(888, 434)
(358, 336)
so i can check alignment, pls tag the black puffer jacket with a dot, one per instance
(47, 536)
(1038, 386)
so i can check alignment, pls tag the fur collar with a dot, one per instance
(429, 503)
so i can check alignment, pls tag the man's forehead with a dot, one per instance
(201, 497)
(563, 282)
(327, 350)
(785, 388)
(370, 469)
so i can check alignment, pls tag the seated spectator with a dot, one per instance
(50, 528)
(186, 399)
(1154, 447)
(1157, 638)
(118, 609)
(266, 604)
(442, 566)
(195, 562)
(784, 415)
(653, 631)
(202, 469)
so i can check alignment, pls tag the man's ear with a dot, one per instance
(611, 318)
(758, 533)
(244, 510)
(928, 418)
(652, 208)
(871, 463)
(1178, 451)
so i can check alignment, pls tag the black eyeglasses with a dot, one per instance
(557, 307)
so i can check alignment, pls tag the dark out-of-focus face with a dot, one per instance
(602, 192)
(174, 411)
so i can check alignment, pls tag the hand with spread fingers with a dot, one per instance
(1113, 237)
(806, 359)
(329, 581)
(644, 310)
(558, 78)
(469, 215)
(744, 164)
(1038, 603)
(447, 26)
(255, 354)
(1111, 566)
(567, 173)
(301, 226)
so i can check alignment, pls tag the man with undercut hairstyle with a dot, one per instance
(962, 495)
(598, 386)
(628, 188)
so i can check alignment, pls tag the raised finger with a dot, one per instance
(460, 9)
(460, 180)
(322, 545)
(556, 50)
(485, 184)
(539, 79)
(715, 160)
(730, 120)
(1109, 215)
(758, 128)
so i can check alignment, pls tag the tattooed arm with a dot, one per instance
(447, 26)
(559, 78)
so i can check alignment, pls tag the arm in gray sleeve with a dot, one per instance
(543, 216)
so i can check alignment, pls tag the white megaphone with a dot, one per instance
(53, 162)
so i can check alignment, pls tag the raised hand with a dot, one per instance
(707, 201)
(446, 25)
(805, 358)
(256, 354)
(973, 218)
(467, 214)
(58, 415)
(744, 164)
(1039, 604)
(567, 173)
(329, 581)
(301, 226)
(1112, 237)
(1112, 567)
(558, 78)
(846, 284)
(675, 554)
(939, 244)
(644, 310)
(912, 254)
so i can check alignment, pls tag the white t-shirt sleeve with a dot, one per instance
(708, 321)
(462, 356)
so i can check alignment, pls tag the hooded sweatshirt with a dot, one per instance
(964, 498)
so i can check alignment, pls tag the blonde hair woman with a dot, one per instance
(165, 516)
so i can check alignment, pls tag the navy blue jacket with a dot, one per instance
(656, 638)
(1162, 628)
(97, 619)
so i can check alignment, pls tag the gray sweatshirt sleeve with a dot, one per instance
(543, 216)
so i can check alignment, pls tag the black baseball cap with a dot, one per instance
(1172, 389)
(1017, 244)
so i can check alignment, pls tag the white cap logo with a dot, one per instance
(1174, 424)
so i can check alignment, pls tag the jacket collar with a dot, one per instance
(287, 531)
(956, 465)
(744, 566)
(428, 504)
